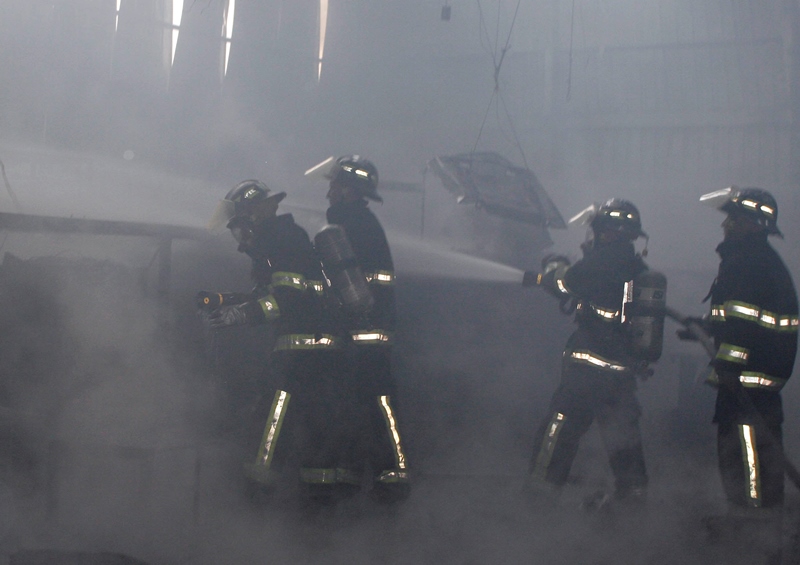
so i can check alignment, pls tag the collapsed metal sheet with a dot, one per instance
(494, 184)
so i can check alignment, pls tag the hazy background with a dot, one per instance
(127, 410)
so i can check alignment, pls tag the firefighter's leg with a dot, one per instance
(751, 469)
(346, 426)
(319, 434)
(557, 439)
(391, 480)
(384, 442)
(619, 418)
(261, 470)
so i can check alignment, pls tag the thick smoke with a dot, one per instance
(122, 419)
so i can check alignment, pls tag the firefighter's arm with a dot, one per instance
(286, 292)
(228, 309)
(246, 313)
(551, 279)
(265, 306)
(736, 328)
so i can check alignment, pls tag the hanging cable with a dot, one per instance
(8, 188)
(497, 63)
(571, 35)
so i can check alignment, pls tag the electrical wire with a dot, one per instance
(497, 63)
(571, 35)
(9, 189)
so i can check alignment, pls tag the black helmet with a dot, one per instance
(245, 194)
(619, 216)
(241, 200)
(357, 172)
(755, 204)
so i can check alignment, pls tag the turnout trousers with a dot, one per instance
(751, 463)
(751, 468)
(585, 394)
(381, 445)
(310, 425)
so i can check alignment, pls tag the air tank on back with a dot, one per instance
(643, 310)
(342, 270)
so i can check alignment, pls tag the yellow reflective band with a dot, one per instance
(561, 271)
(752, 313)
(733, 353)
(316, 286)
(393, 477)
(370, 337)
(752, 379)
(753, 204)
(399, 456)
(548, 446)
(305, 341)
(273, 428)
(292, 280)
(743, 310)
(605, 314)
(270, 307)
(380, 277)
(747, 436)
(588, 358)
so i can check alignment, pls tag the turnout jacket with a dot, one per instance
(597, 281)
(754, 322)
(288, 285)
(371, 249)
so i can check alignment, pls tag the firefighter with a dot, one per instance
(599, 371)
(753, 320)
(353, 181)
(311, 412)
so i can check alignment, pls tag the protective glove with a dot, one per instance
(235, 315)
(552, 261)
(530, 278)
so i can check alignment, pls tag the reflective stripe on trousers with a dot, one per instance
(747, 435)
(548, 446)
(400, 473)
(272, 430)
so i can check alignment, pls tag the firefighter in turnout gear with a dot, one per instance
(353, 181)
(599, 370)
(310, 415)
(753, 320)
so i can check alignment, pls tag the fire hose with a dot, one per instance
(699, 333)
